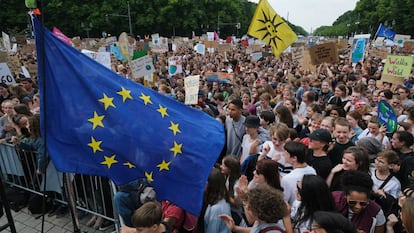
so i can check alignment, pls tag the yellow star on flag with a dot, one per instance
(176, 148)
(108, 102)
(126, 94)
(174, 128)
(129, 165)
(269, 27)
(164, 165)
(162, 110)
(95, 145)
(96, 120)
(145, 98)
(149, 177)
(109, 161)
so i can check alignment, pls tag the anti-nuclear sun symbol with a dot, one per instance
(270, 27)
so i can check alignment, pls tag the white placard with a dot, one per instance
(25, 72)
(200, 48)
(142, 66)
(191, 85)
(103, 58)
(6, 41)
(5, 74)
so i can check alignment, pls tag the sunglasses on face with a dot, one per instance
(361, 203)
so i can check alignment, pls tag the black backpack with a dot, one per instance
(139, 193)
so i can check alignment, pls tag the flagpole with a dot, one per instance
(70, 200)
(42, 72)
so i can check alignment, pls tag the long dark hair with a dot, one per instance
(233, 164)
(315, 195)
(216, 187)
(34, 124)
(285, 116)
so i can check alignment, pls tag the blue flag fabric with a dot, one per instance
(99, 123)
(384, 31)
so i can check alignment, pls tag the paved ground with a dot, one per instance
(27, 223)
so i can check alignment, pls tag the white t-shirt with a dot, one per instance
(290, 180)
(392, 187)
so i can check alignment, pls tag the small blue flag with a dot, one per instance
(384, 31)
(99, 123)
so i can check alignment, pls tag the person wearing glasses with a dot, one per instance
(354, 203)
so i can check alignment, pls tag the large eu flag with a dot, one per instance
(99, 123)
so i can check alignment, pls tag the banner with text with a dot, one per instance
(191, 85)
(5, 74)
(324, 53)
(142, 66)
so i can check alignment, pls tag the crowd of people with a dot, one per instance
(304, 152)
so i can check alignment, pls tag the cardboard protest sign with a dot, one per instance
(399, 66)
(297, 53)
(224, 48)
(400, 39)
(306, 61)
(408, 46)
(390, 79)
(379, 52)
(142, 66)
(5, 74)
(342, 44)
(191, 85)
(255, 47)
(324, 53)
(210, 44)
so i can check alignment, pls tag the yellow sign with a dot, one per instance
(399, 66)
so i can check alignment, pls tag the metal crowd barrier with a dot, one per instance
(91, 194)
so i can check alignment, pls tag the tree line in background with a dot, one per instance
(167, 17)
(369, 14)
(182, 17)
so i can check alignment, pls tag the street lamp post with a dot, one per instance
(87, 28)
(126, 16)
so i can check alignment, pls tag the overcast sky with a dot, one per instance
(311, 14)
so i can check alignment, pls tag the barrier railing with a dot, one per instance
(92, 194)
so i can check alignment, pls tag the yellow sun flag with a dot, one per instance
(269, 27)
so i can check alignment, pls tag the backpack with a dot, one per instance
(17, 198)
(139, 192)
(35, 204)
(272, 228)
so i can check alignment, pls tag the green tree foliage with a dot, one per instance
(397, 14)
(167, 17)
